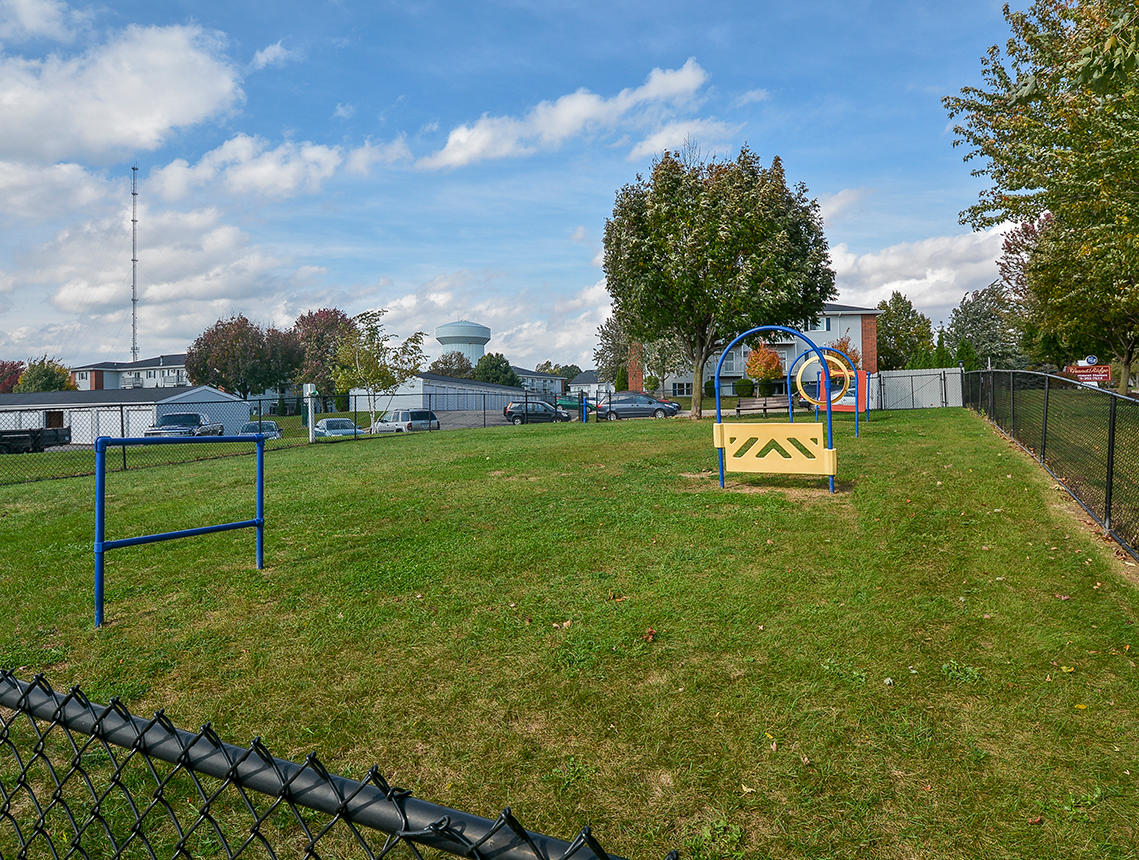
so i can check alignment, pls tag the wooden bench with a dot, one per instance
(751, 405)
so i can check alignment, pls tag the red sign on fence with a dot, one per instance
(1090, 372)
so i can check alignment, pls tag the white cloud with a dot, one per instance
(932, 273)
(579, 234)
(344, 111)
(39, 19)
(245, 165)
(194, 269)
(30, 191)
(834, 206)
(272, 55)
(752, 97)
(551, 123)
(119, 97)
(360, 160)
(709, 134)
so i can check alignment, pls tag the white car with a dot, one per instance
(407, 421)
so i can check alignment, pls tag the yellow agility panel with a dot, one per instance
(786, 449)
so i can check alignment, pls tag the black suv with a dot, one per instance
(533, 412)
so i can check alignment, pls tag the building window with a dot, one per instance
(82, 374)
(682, 389)
(150, 374)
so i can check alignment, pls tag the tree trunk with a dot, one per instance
(698, 387)
(1125, 360)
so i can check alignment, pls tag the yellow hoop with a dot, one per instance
(835, 365)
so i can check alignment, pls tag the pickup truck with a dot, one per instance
(184, 424)
(33, 440)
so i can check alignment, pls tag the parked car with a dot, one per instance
(270, 429)
(407, 421)
(636, 405)
(533, 412)
(33, 439)
(184, 424)
(336, 427)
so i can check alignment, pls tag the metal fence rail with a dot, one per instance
(67, 449)
(80, 779)
(1087, 438)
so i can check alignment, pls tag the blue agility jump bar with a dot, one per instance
(102, 545)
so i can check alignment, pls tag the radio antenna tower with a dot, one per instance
(134, 263)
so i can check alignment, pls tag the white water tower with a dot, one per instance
(464, 336)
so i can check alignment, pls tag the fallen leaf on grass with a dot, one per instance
(1067, 668)
(1037, 820)
(565, 625)
(747, 789)
(774, 746)
(1062, 596)
(650, 635)
(1081, 707)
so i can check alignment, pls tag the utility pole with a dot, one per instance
(134, 263)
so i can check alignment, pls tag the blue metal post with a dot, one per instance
(260, 501)
(100, 511)
(719, 417)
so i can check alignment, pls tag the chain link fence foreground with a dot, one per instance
(1086, 437)
(84, 780)
(40, 442)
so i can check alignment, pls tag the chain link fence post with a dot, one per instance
(1110, 463)
(1044, 422)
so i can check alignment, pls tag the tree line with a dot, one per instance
(1053, 129)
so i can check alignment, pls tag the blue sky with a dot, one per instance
(449, 160)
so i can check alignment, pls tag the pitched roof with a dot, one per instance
(831, 308)
(472, 383)
(175, 359)
(586, 377)
(522, 371)
(106, 396)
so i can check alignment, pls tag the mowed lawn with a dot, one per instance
(939, 661)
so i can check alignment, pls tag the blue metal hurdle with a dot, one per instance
(101, 545)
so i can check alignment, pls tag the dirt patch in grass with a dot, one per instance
(793, 493)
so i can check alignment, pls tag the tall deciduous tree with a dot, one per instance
(10, 374)
(1055, 129)
(367, 358)
(283, 358)
(612, 350)
(987, 319)
(702, 250)
(493, 367)
(229, 355)
(903, 332)
(319, 333)
(453, 364)
(45, 374)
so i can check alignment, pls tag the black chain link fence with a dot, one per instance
(1086, 437)
(39, 442)
(87, 780)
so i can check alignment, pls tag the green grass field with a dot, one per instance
(936, 662)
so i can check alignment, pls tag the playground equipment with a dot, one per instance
(777, 448)
(832, 355)
(102, 545)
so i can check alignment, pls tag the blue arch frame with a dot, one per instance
(826, 383)
(854, 369)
